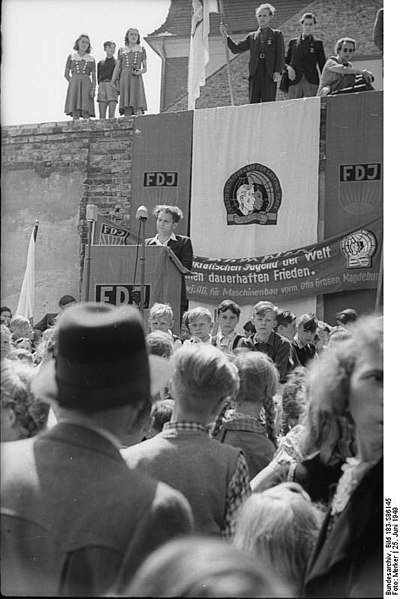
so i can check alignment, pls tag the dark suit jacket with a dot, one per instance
(274, 55)
(304, 58)
(348, 562)
(183, 250)
(47, 321)
(70, 510)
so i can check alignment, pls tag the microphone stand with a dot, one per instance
(142, 263)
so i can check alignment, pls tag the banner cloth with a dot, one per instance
(347, 261)
(255, 178)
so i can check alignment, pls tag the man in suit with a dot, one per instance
(168, 218)
(267, 55)
(50, 319)
(74, 518)
(304, 54)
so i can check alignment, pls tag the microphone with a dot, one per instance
(142, 213)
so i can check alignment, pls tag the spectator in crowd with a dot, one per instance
(159, 343)
(45, 350)
(338, 335)
(378, 30)
(266, 340)
(168, 218)
(347, 384)
(213, 476)
(228, 314)
(294, 400)
(161, 318)
(131, 65)
(20, 327)
(72, 480)
(5, 341)
(286, 324)
(161, 412)
(6, 315)
(304, 55)
(80, 72)
(185, 333)
(203, 567)
(50, 319)
(242, 426)
(346, 317)
(280, 527)
(22, 355)
(249, 329)
(267, 55)
(107, 95)
(200, 323)
(23, 343)
(22, 415)
(303, 340)
(339, 75)
(321, 338)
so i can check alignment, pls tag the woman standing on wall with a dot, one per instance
(80, 72)
(131, 65)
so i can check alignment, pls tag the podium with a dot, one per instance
(110, 277)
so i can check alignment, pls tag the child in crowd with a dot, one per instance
(200, 323)
(321, 338)
(286, 324)
(161, 318)
(80, 72)
(303, 340)
(107, 95)
(346, 317)
(249, 329)
(131, 65)
(6, 315)
(161, 412)
(23, 343)
(228, 314)
(242, 426)
(20, 327)
(266, 340)
(5, 341)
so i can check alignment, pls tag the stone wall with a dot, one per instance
(55, 169)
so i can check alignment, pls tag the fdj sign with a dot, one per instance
(160, 179)
(360, 172)
(122, 294)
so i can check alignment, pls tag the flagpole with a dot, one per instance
(222, 13)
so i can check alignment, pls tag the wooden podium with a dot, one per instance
(110, 272)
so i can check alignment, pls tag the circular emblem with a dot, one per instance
(358, 248)
(253, 194)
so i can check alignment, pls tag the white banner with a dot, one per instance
(255, 178)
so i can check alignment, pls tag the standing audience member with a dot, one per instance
(22, 415)
(339, 74)
(321, 338)
(267, 55)
(161, 318)
(107, 94)
(338, 335)
(346, 317)
(20, 327)
(5, 341)
(200, 323)
(70, 505)
(159, 343)
(303, 340)
(294, 400)
(242, 427)
(161, 412)
(348, 558)
(131, 65)
(286, 324)
(80, 72)
(227, 339)
(304, 55)
(203, 567)
(266, 340)
(50, 319)
(280, 527)
(6, 315)
(249, 329)
(212, 476)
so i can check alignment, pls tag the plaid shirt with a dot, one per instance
(239, 485)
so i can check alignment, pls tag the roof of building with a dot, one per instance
(239, 16)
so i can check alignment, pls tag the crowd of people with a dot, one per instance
(217, 462)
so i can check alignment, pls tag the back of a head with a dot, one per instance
(294, 398)
(18, 321)
(65, 300)
(203, 567)
(159, 343)
(258, 376)
(346, 316)
(280, 526)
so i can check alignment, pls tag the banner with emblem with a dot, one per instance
(350, 261)
(108, 232)
(255, 178)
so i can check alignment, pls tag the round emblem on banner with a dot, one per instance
(252, 194)
(358, 248)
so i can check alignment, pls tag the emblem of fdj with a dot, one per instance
(252, 194)
(358, 248)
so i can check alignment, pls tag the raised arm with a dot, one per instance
(235, 48)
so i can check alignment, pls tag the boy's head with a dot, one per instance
(263, 14)
(346, 316)
(161, 317)
(264, 318)
(66, 301)
(228, 316)
(306, 328)
(199, 322)
(203, 378)
(286, 324)
(159, 343)
(249, 328)
(21, 327)
(161, 412)
(109, 48)
(6, 315)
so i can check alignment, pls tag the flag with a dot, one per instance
(108, 232)
(198, 54)
(26, 302)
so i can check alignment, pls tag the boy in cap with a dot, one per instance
(73, 515)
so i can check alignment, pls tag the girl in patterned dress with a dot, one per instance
(131, 65)
(80, 72)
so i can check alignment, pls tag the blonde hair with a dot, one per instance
(196, 313)
(158, 310)
(280, 526)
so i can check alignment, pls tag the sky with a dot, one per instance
(38, 35)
